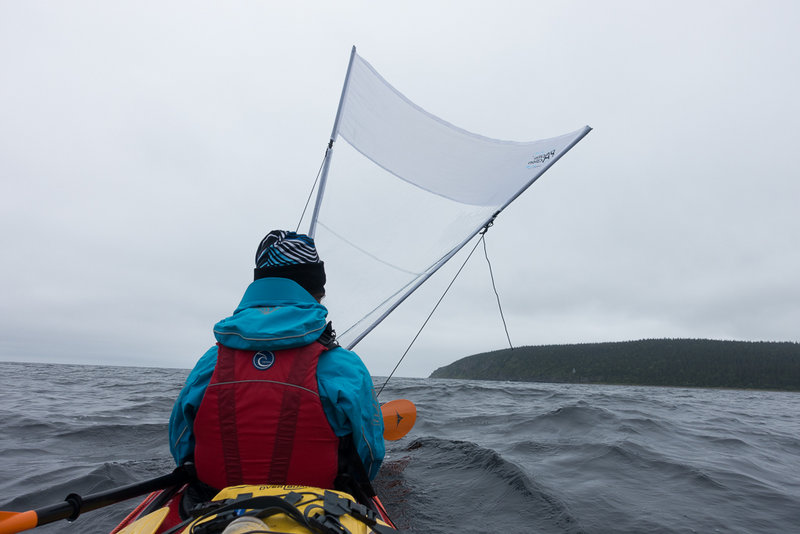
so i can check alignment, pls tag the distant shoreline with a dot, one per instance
(691, 363)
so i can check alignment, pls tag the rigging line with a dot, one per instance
(496, 294)
(365, 252)
(434, 308)
(311, 193)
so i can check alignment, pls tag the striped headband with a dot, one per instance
(280, 247)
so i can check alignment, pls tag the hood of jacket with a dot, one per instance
(274, 314)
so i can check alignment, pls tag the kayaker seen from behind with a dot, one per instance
(277, 401)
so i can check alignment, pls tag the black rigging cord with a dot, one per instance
(496, 294)
(482, 233)
(311, 193)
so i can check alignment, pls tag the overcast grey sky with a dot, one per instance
(146, 147)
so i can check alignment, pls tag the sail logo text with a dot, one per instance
(540, 159)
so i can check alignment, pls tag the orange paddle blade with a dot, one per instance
(399, 417)
(12, 522)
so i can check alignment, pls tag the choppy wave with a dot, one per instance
(447, 483)
(483, 457)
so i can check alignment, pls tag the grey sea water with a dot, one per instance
(483, 457)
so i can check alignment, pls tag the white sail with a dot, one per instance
(404, 192)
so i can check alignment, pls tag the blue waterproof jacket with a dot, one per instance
(275, 314)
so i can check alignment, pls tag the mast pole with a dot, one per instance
(329, 152)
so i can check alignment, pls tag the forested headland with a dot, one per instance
(649, 362)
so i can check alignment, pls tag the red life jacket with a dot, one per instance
(261, 421)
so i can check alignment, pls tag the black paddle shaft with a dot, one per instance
(74, 504)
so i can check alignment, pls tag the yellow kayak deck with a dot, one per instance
(284, 509)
